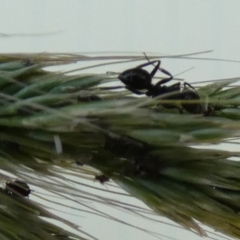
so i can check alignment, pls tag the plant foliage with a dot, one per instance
(53, 122)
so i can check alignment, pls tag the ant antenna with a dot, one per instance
(147, 57)
(184, 71)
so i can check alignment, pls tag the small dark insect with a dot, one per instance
(125, 147)
(137, 79)
(79, 163)
(18, 188)
(101, 178)
(28, 62)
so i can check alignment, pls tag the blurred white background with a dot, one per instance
(163, 27)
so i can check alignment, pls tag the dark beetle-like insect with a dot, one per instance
(137, 79)
(101, 178)
(18, 188)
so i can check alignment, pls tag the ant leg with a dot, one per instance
(189, 85)
(155, 68)
(162, 70)
(166, 79)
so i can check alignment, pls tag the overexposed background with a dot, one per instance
(165, 27)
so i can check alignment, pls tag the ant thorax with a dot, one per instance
(166, 92)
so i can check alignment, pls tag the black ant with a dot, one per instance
(18, 188)
(102, 178)
(137, 79)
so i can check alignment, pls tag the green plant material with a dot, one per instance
(53, 123)
(13, 228)
(214, 88)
